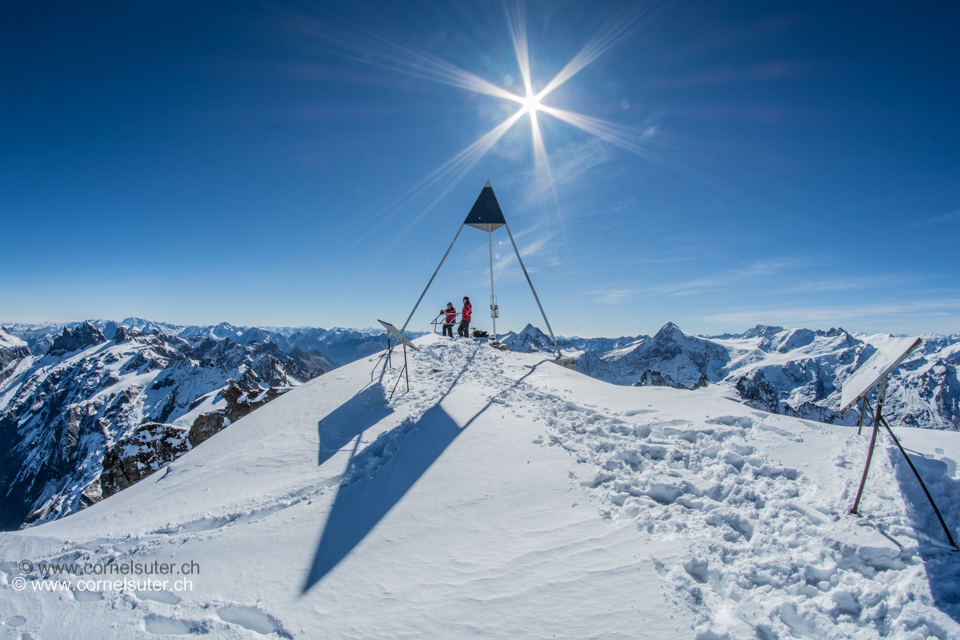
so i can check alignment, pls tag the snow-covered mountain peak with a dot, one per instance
(682, 357)
(150, 326)
(762, 331)
(671, 336)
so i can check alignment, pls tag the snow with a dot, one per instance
(10, 341)
(508, 497)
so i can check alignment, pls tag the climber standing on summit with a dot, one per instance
(449, 319)
(464, 329)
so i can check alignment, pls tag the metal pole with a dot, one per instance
(406, 369)
(395, 385)
(493, 299)
(920, 480)
(863, 408)
(882, 391)
(530, 282)
(431, 280)
(389, 352)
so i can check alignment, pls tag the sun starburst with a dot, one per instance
(376, 50)
(530, 102)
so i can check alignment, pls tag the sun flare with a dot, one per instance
(531, 104)
(427, 66)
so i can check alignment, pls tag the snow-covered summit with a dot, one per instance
(684, 357)
(505, 497)
(530, 340)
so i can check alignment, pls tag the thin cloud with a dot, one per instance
(722, 281)
(946, 217)
(871, 283)
(833, 314)
(761, 71)
(725, 280)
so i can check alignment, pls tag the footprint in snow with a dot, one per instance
(163, 626)
(252, 619)
(163, 597)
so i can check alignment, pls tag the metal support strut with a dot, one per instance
(493, 298)
(535, 296)
(863, 407)
(920, 480)
(882, 391)
(405, 371)
(431, 280)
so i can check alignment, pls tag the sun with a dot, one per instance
(531, 104)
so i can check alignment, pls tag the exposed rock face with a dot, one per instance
(206, 425)
(84, 336)
(651, 378)
(759, 393)
(239, 404)
(135, 457)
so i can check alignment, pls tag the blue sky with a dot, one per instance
(780, 163)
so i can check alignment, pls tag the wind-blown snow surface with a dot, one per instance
(504, 496)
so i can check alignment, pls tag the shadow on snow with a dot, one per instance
(941, 561)
(378, 477)
(365, 498)
(350, 419)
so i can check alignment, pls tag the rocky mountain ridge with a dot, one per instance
(60, 412)
(154, 445)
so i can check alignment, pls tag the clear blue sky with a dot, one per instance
(781, 163)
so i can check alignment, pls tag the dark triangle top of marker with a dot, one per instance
(486, 213)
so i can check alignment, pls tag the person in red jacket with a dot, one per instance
(464, 329)
(449, 320)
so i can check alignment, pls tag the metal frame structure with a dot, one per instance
(882, 365)
(402, 339)
(486, 215)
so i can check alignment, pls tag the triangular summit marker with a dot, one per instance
(486, 214)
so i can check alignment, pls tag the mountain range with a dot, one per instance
(795, 372)
(68, 393)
